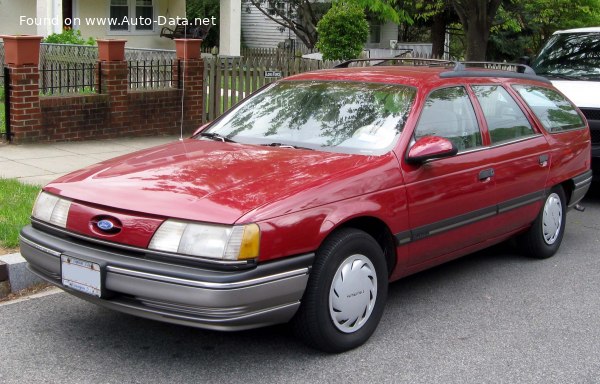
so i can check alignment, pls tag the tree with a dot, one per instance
(205, 8)
(476, 17)
(302, 16)
(523, 26)
(433, 15)
(343, 32)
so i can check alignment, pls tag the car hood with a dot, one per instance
(221, 182)
(584, 94)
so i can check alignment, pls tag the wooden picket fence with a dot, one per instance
(228, 80)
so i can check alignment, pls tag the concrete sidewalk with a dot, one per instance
(38, 164)
(41, 163)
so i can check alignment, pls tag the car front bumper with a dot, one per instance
(267, 294)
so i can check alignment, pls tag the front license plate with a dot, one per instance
(81, 275)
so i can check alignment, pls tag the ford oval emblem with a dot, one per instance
(105, 225)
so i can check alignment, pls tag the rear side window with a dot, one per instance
(505, 120)
(556, 113)
(448, 113)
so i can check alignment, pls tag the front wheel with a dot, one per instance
(544, 237)
(345, 294)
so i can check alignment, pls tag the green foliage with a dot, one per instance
(69, 36)
(16, 201)
(343, 32)
(384, 10)
(201, 9)
(522, 27)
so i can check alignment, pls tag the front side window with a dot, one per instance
(131, 15)
(362, 118)
(554, 111)
(448, 113)
(505, 120)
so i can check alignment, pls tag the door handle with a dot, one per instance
(543, 160)
(486, 174)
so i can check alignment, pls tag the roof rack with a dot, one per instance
(382, 60)
(458, 65)
(519, 68)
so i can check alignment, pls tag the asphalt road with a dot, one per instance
(492, 317)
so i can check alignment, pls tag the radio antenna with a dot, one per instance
(182, 77)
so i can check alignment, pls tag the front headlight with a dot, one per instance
(223, 242)
(51, 209)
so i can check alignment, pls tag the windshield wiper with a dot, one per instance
(216, 137)
(282, 145)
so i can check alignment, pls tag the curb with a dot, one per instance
(14, 275)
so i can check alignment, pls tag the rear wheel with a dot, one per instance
(544, 237)
(346, 293)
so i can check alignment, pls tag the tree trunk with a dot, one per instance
(476, 17)
(477, 34)
(438, 34)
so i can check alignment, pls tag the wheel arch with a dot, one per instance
(377, 229)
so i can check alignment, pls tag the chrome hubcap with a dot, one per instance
(552, 218)
(353, 293)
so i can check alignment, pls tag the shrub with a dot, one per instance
(69, 36)
(343, 31)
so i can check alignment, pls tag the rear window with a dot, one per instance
(556, 113)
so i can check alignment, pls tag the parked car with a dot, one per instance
(571, 60)
(305, 200)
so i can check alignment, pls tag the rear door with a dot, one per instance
(519, 155)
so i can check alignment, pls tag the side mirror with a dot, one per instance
(431, 147)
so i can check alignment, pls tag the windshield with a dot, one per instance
(364, 118)
(573, 56)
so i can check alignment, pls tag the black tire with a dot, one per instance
(363, 261)
(542, 241)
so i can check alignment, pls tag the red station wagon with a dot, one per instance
(305, 200)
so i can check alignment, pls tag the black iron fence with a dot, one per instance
(67, 78)
(151, 74)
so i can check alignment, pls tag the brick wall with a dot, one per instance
(88, 117)
(117, 112)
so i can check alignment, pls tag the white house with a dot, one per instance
(94, 18)
(259, 31)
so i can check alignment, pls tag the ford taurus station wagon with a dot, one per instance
(304, 201)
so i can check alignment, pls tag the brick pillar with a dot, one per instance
(22, 56)
(111, 79)
(189, 75)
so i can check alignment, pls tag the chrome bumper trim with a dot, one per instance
(39, 247)
(204, 284)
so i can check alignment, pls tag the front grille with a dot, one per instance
(591, 113)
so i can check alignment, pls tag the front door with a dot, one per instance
(452, 201)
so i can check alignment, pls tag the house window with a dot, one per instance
(144, 9)
(140, 14)
(374, 33)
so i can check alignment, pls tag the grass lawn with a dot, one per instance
(16, 201)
